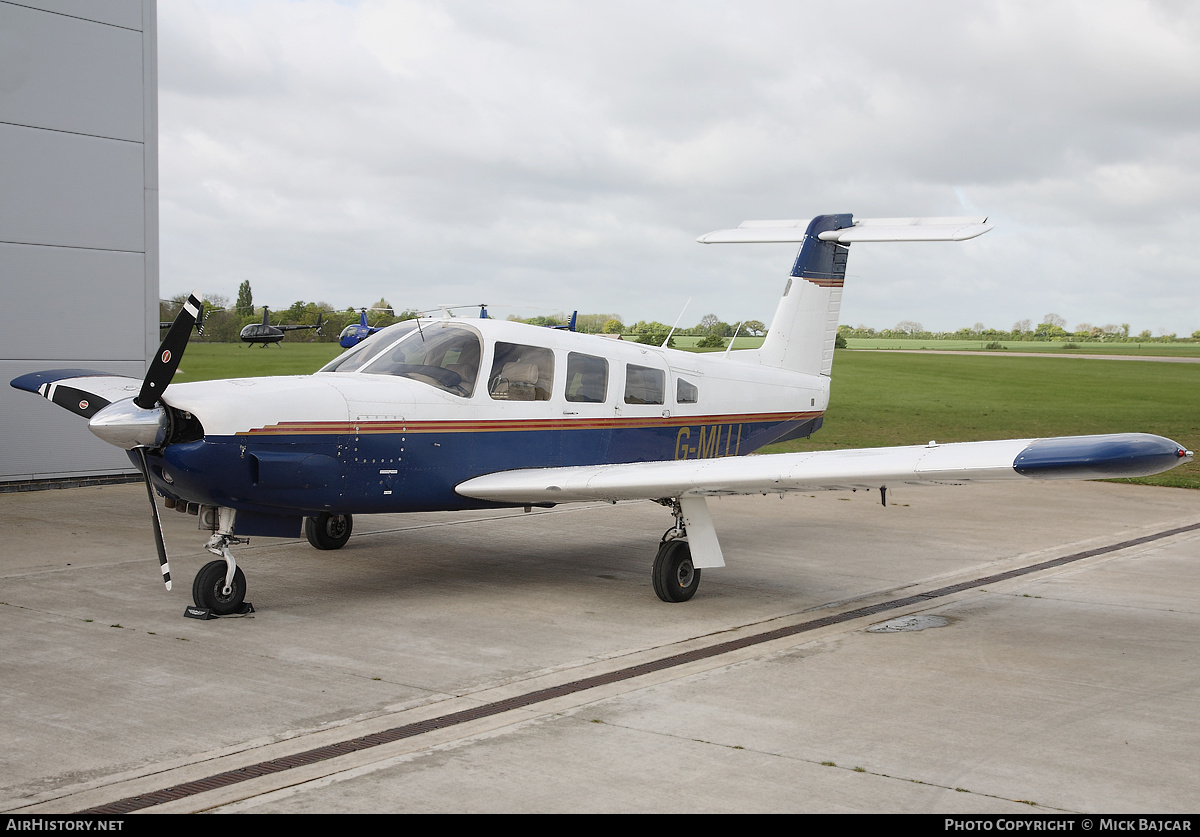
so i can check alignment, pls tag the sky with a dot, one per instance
(551, 156)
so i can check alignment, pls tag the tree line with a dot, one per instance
(223, 322)
(1052, 328)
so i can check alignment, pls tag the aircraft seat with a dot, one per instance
(517, 382)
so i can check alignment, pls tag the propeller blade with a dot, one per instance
(158, 533)
(170, 352)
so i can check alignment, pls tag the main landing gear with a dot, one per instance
(675, 578)
(328, 531)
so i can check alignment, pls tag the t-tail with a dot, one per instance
(802, 334)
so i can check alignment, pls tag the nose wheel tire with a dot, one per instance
(328, 531)
(208, 590)
(675, 579)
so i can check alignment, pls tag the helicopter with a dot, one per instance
(265, 334)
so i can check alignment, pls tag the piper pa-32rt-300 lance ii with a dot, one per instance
(450, 414)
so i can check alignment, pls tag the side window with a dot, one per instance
(685, 392)
(521, 373)
(587, 378)
(644, 385)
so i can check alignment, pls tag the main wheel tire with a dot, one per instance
(328, 531)
(208, 590)
(675, 579)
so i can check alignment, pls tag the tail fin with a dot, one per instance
(804, 328)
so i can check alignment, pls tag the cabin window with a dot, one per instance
(442, 355)
(521, 373)
(644, 385)
(587, 378)
(685, 392)
(354, 359)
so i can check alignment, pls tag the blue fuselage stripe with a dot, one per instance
(363, 473)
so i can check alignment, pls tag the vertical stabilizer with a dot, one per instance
(803, 332)
(804, 328)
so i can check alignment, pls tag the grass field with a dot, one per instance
(1017, 346)
(881, 398)
(684, 341)
(209, 361)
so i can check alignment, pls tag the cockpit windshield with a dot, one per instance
(371, 347)
(444, 355)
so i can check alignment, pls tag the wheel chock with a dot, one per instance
(194, 612)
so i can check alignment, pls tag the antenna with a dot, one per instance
(677, 319)
(729, 348)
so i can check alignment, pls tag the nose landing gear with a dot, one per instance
(211, 592)
(220, 586)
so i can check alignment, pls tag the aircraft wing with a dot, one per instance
(1069, 457)
(82, 391)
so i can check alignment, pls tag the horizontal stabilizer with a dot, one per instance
(863, 229)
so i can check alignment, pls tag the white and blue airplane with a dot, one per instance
(450, 414)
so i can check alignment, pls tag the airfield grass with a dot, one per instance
(1018, 346)
(210, 361)
(883, 398)
(688, 341)
(1009, 346)
(879, 399)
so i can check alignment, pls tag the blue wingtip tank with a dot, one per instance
(1111, 456)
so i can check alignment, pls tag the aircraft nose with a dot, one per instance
(127, 426)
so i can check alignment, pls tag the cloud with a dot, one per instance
(566, 154)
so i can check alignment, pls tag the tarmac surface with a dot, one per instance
(1074, 687)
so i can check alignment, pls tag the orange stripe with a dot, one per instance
(324, 428)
